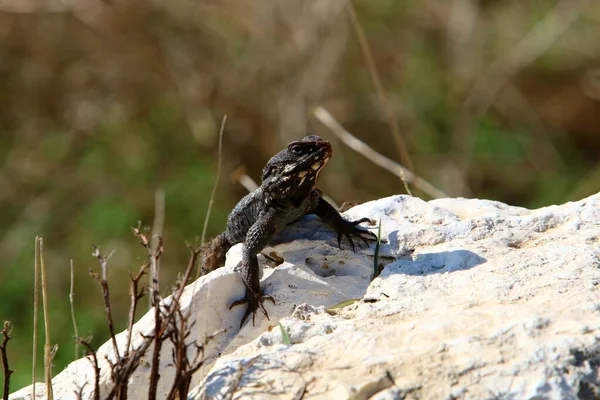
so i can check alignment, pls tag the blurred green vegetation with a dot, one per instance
(104, 106)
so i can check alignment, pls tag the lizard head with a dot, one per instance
(295, 169)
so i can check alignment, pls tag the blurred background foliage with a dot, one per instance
(109, 109)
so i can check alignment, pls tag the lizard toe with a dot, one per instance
(349, 237)
(254, 301)
(360, 221)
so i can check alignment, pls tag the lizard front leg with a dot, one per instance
(343, 227)
(257, 238)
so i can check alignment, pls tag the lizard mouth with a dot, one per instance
(324, 149)
(323, 155)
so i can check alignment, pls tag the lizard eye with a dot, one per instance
(296, 149)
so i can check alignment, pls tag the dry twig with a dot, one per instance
(136, 295)
(355, 144)
(179, 333)
(7, 371)
(103, 281)
(154, 254)
(214, 188)
(94, 361)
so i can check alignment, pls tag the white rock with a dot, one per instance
(478, 300)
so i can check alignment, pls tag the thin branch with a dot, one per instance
(247, 182)
(72, 302)
(136, 296)
(214, 188)
(179, 333)
(383, 101)
(159, 216)
(355, 144)
(154, 255)
(157, 228)
(188, 271)
(103, 281)
(127, 368)
(48, 348)
(94, 361)
(7, 371)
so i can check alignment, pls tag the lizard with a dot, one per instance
(287, 192)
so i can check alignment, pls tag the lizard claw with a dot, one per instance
(350, 228)
(254, 302)
(360, 221)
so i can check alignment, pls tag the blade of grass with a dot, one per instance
(343, 304)
(376, 270)
(284, 335)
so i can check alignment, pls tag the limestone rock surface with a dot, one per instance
(477, 300)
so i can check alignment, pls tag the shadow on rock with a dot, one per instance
(436, 263)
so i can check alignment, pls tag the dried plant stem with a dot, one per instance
(154, 374)
(48, 345)
(36, 290)
(383, 101)
(136, 296)
(184, 368)
(248, 183)
(103, 280)
(94, 361)
(7, 371)
(73, 319)
(216, 184)
(159, 216)
(188, 272)
(157, 227)
(355, 144)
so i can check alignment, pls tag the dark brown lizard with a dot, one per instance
(287, 192)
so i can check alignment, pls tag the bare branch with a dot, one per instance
(355, 144)
(103, 281)
(159, 216)
(136, 296)
(94, 361)
(7, 371)
(248, 183)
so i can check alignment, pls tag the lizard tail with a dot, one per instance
(214, 254)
